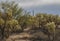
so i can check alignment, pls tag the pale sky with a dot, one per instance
(30, 3)
(44, 6)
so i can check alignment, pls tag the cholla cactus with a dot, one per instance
(51, 27)
(13, 24)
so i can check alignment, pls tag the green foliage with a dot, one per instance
(8, 22)
(16, 11)
(1, 21)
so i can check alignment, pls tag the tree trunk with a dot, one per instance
(2, 33)
(49, 37)
(53, 37)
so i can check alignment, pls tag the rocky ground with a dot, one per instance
(27, 36)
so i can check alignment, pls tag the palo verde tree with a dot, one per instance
(12, 24)
(16, 10)
(11, 12)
